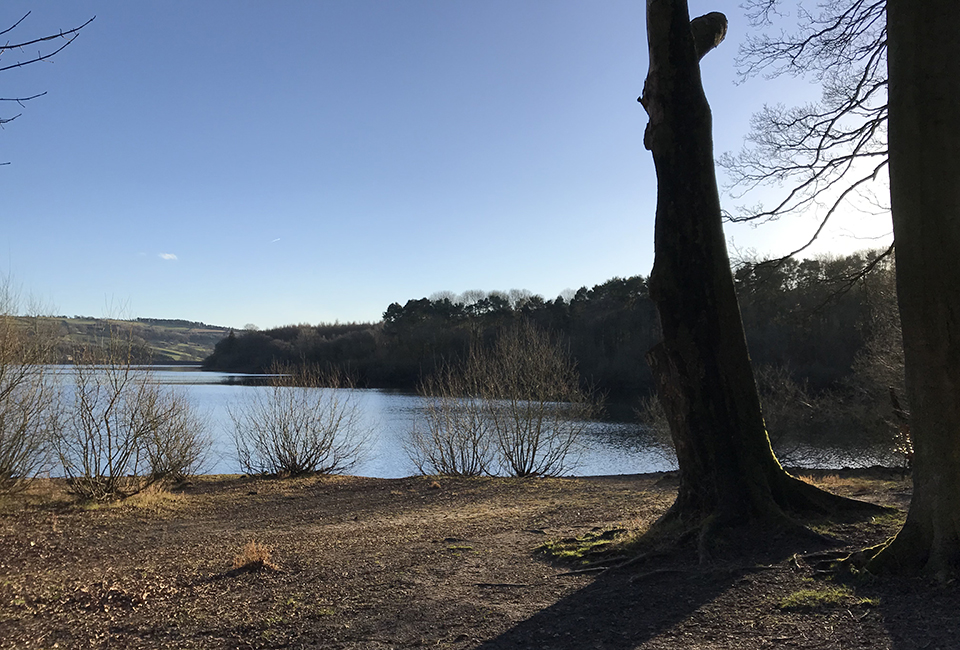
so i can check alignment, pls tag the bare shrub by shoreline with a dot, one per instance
(307, 421)
(516, 409)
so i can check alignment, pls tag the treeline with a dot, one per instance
(177, 323)
(811, 316)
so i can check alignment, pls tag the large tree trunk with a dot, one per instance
(924, 139)
(728, 472)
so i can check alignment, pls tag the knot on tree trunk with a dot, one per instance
(708, 32)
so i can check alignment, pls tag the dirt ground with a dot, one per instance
(373, 564)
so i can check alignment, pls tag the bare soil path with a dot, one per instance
(417, 563)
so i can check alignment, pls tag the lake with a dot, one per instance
(611, 448)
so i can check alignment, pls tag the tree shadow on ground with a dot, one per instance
(619, 610)
(737, 604)
(675, 600)
(916, 613)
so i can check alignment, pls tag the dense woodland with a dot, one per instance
(812, 317)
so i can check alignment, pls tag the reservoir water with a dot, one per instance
(611, 448)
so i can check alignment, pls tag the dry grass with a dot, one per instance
(155, 498)
(254, 556)
(376, 563)
(831, 482)
(39, 492)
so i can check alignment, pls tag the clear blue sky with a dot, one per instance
(240, 162)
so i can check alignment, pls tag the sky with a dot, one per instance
(237, 162)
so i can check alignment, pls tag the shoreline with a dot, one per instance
(358, 563)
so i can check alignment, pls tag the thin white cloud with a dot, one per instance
(275, 240)
(168, 256)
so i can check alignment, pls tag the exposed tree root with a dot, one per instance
(772, 526)
(909, 553)
(800, 497)
(913, 551)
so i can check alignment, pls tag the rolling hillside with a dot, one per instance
(170, 340)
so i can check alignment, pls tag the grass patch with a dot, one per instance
(888, 523)
(155, 498)
(810, 599)
(584, 548)
(39, 493)
(832, 482)
(893, 519)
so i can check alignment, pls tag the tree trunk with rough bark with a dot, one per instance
(728, 473)
(924, 138)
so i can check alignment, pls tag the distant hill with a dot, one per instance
(170, 340)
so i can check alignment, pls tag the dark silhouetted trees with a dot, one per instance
(811, 317)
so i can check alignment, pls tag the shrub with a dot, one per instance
(305, 421)
(453, 438)
(538, 411)
(177, 442)
(27, 412)
(651, 415)
(29, 392)
(516, 408)
(803, 428)
(844, 426)
(122, 431)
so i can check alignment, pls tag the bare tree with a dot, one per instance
(306, 421)
(729, 475)
(887, 66)
(832, 152)
(924, 71)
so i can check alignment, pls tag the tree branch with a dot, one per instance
(815, 148)
(72, 33)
